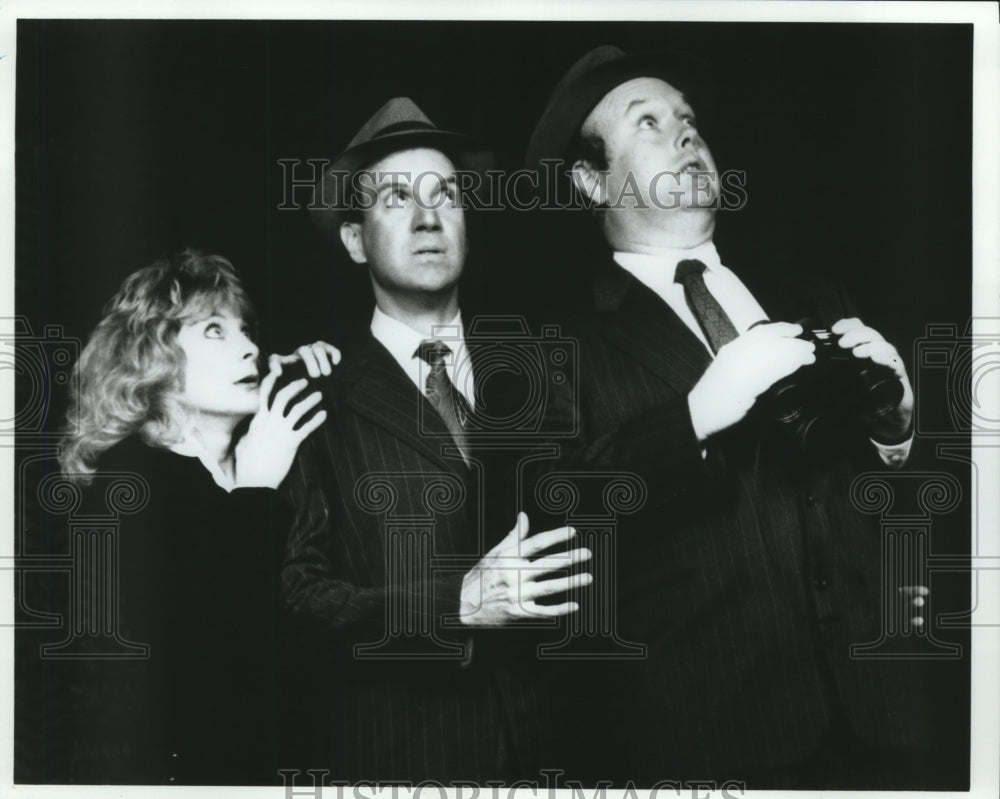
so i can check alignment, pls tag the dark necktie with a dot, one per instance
(716, 326)
(447, 400)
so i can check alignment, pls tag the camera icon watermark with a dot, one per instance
(42, 366)
(960, 371)
(515, 378)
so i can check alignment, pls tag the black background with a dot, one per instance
(138, 138)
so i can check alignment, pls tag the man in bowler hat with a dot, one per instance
(393, 563)
(748, 575)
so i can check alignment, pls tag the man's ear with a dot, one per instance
(587, 181)
(350, 235)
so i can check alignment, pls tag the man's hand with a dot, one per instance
(914, 595)
(864, 342)
(744, 369)
(319, 358)
(504, 585)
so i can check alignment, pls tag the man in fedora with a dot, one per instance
(393, 564)
(748, 575)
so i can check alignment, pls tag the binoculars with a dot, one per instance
(836, 386)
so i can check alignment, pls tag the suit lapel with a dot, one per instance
(640, 324)
(379, 390)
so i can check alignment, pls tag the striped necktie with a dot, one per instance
(447, 400)
(714, 323)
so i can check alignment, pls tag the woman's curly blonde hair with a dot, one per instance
(129, 373)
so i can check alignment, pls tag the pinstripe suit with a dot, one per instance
(380, 491)
(746, 574)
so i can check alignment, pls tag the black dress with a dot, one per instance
(198, 584)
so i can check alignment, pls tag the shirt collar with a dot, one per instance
(655, 265)
(192, 446)
(402, 340)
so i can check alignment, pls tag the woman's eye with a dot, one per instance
(647, 122)
(213, 330)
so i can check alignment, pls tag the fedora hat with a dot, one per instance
(397, 125)
(596, 74)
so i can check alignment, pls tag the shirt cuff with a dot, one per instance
(894, 455)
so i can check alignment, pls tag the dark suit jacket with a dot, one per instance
(746, 573)
(389, 518)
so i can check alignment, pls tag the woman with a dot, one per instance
(165, 389)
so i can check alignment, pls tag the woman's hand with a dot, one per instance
(265, 453)
(319, 358)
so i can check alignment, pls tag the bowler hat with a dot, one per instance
(597, 73)
(397, 125)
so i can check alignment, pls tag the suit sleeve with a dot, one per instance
(658, 443)
(313, 589)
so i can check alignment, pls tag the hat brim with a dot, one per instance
(464, 151)
(560, 123)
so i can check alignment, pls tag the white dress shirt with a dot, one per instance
(402, 342)
(657, 272)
